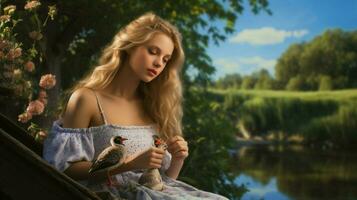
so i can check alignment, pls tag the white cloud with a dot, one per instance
(243, 65)
(227, 65)
(259, 62)
(266, 36)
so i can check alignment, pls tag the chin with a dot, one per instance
(147, 80)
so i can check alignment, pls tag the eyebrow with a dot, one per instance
(168, 55)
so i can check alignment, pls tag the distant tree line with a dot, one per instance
(327, 62)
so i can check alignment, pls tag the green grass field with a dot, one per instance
(350, 94)
(319, 117)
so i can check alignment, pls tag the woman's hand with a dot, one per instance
(178, 148)
(152, 158)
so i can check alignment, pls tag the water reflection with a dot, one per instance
(258, 190)
(285, 173)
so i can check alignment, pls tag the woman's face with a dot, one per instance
(149, 60)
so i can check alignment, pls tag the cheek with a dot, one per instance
(139, 60)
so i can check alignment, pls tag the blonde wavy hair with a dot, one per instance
(162, 96)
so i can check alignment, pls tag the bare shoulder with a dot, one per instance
(79, 109)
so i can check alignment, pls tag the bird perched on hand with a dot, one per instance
(111, 157)
(151, 178)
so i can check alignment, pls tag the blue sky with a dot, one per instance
(260, 39)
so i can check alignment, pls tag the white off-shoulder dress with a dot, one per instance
(64, 146)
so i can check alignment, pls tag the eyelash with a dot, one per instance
(152, 51)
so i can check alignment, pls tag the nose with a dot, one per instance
(158, 63)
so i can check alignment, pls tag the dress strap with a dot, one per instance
(100, 109)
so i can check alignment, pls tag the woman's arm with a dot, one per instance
(79, 110)
(174, 170)
(79, 171)
(178, 148)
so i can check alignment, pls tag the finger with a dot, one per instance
(178, 146)
(158, 156)
(154, 150)
(156, 161)
(174, 139)
(182, 143)
(159, 151)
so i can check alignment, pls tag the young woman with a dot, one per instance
(135, 92)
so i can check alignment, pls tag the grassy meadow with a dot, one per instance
(317, 118)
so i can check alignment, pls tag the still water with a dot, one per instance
(295, 172)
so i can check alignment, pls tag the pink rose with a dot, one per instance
(41, 135)
(29, 66)
(48, 81)
(14, 53)
(32, 5)
(35, 107)
(17, 52)
(4, 18)
(24, 117)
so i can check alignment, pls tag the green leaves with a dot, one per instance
(210, 135)
(323, 63)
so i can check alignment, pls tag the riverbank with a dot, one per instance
(325, 118)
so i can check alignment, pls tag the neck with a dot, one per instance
(125, 83)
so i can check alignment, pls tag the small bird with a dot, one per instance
(151, 178)
(111, 157)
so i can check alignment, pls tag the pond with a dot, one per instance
(295, 172)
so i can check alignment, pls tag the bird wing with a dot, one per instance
(109, 157)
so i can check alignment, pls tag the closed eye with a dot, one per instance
(153, 51)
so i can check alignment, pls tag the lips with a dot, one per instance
(152, 71)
